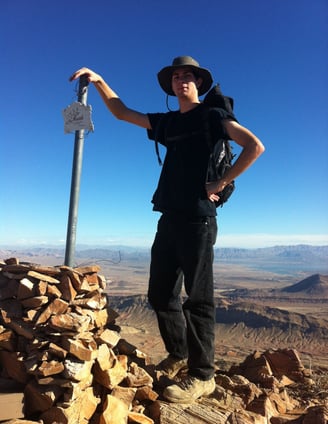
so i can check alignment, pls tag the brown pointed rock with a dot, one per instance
(40, 398)
(81, 349)
(91, 274)
(13, 364)
(93, 300)
(69, 322)
(25, 289)
(77, 412)
(57, 351)
(125, 394)
(115, 411)
(42, 277)
(256, 369)
(126, 348)
(67, 289)
(31, 314)
(40, 288)
(90, 269)
(57, 306)
(50, 368)
(239, 385)
(106, 357)
(48, 270)
(113, 376)
(75, 389)
(281, 401)
(77, 370)
(101, 318)
(110, 337)
(146, 393)
(137, 376)
(53, 291)
(93, 279)
(285, 362)
(35, 302)
(58, 415)
(76, 279)
(263, 406)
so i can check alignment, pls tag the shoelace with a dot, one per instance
(188, 382)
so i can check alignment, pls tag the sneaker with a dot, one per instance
(171, 365)
(189, 390)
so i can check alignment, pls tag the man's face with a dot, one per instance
(184, 82)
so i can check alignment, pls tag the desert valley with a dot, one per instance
(267, 299)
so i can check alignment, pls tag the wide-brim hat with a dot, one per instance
(165, 75)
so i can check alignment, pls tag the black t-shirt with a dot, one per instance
(181, 186)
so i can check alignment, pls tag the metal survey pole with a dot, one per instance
(76, 178)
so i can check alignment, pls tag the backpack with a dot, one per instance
(221, 156)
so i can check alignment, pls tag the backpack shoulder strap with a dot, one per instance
(162, 125)
(211, 127)
(206, 125)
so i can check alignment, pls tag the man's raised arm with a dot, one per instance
(112, 100)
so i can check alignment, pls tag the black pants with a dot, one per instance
(183, 252)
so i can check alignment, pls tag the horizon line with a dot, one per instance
(83, 246)
(247, 241)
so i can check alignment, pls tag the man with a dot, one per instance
(183, 247)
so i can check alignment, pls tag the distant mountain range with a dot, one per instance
(279, 259)
(299, 251)
(307, 258)
(295, 252)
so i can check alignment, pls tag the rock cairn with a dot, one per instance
(59, 343)
(63, 361)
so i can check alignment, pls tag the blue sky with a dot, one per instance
(271, 56)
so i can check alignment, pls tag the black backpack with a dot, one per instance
(221, 151)
(221, 157)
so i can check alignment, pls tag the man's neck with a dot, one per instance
(186, 105)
